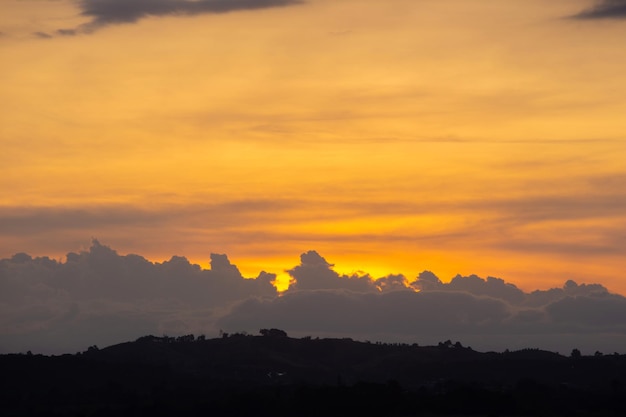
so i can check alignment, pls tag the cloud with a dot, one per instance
(503, 225)
(473, 284)
(486, 313)
(350, 313)
(42, 35)
(98, 296)
(41, 298)
(67, 32)
(19, 220)
(108, 12)
(314, 273)
(605, 9)
(590, 322)
(596, 311)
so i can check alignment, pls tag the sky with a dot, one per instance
(391, 137)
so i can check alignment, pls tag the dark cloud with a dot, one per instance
(41, 297)
(392, 283)
(42, 35)
(427, 317)
(98, 296)
(314, 273)
(487, 313)
(605, 9)
(491, 287)
(596, 311)
(107, 12)
(67, 32)
(350, 313)
(499, 289)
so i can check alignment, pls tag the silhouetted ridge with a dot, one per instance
(274, 374)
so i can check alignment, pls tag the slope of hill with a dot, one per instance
(277, 375)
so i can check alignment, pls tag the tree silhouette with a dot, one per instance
(273, 333)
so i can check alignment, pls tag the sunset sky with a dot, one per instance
(391, 136)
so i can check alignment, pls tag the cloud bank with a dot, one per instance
(107, 12)
(486, 313)
(100, 297)
(605, 9)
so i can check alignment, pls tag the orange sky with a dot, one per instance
(458, 136)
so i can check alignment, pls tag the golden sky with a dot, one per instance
(392, 136)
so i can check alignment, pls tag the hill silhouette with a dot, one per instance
(274, 374)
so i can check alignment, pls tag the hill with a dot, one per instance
(275, 375)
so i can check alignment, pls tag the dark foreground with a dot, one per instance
(274, 375)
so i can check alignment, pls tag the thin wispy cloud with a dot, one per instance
(240, 222)
(42, 35)
(600, 200)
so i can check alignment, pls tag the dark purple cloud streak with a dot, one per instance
(605, 9)
(107, 12)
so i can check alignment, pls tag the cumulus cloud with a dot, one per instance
(107, 12)
(487, 313)
(41, 298)
(314, 273)
(98, 296)
(491, 287)
(605, 9)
